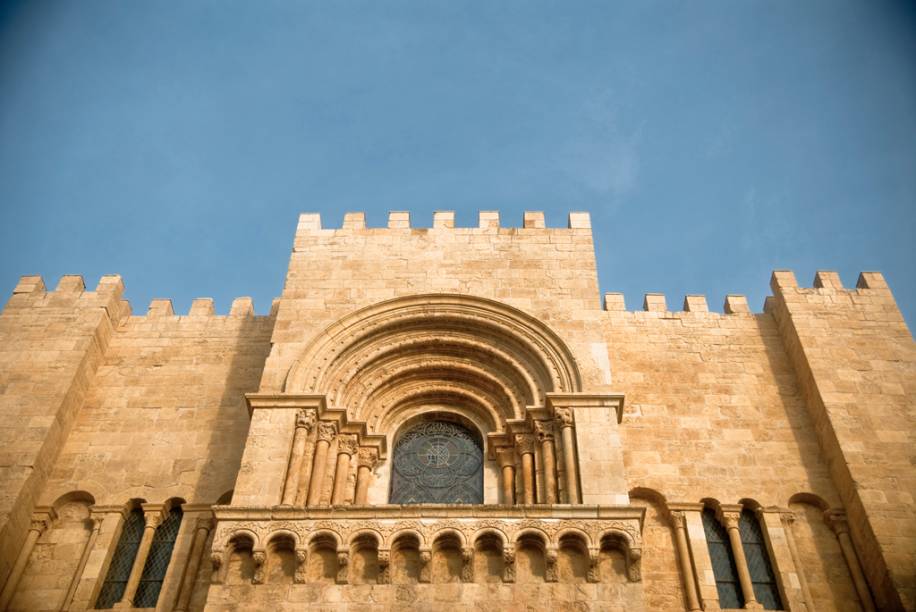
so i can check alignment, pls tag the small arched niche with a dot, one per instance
(437, 458)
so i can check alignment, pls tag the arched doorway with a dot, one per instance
(437, 462)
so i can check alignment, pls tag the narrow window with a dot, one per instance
(122, 561)
(723, 561)
(160, 553)
(758, 562)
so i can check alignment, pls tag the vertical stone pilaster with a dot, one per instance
(305, 421)
(84, 558)
(565, 421)
(525, 444)
(346, 447)
(327, 431)
(837, 522)
(549, 460)
(506, 458)
(40, 522)
(201, 533)
(679, 522)
(368, 458)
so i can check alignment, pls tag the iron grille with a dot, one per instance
(160, 553)
(723, 562)
(122, 561)
(437, 462)
(758, 562)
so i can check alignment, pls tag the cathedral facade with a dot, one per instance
(452, 417)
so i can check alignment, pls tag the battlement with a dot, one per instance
(825, 283)
(31, 292)
(488, 220)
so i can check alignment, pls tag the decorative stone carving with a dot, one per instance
(467, 564)
(384, 561)
(544, 430)
(593, 574)
(216, 562)
(299, 577)
(426, 557)
(306, 418)
(525, 443)
(368, 457)
(40, 524)
(327, 430)
(564, 417)
(508, 565)
(343, 571)
(346, 444)
(259, 557)
(550, 558)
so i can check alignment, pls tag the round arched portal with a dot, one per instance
(398, 362)
(438, 460)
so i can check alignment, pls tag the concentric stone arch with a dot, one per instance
(376, 358)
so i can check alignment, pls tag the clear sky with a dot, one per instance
(176, 142)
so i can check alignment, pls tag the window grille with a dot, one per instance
(758, 562)
(160, 553)
(122, 561)
(723, 561)
(439, 463)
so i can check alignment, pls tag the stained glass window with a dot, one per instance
(122, 561)
(758, 562)
(160, 553)
(723, 561)
(438, 463)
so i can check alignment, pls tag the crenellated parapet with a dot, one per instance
(442, 220)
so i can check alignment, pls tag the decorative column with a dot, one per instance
(679, 521)
(384, 566)
(549, 459)
(367, 460)
(525, 444)
(565, 421)
(259, 557)
(730, 518)
(787, 518)
(84, 557)
(467, 564)
(426, 557)
(204, 525)
(305, 420)
(506, 458)
(508, 564)
(152, 515)
(327, 430)
(593, 557)
(343, 562)
(346, 448)
(550, 564)
(39, 523)
(836, 519)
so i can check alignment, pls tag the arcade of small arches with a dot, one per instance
(411, 553)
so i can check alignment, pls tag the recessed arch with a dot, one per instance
(375, 359)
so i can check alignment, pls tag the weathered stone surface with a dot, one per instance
(604, 433)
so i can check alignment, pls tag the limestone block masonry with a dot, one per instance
(548, 450)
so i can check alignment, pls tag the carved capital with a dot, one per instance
(564, 417)
(368, 457)
(346, 444)
(544, 430)
(216, 562)
(306, 419)
(152, 519)
(508, 565)
(593, 575)
(730, 519)
(205, 524)
(384, 572)
(525, 443)
(39, 524)
(678, 519)
(327, 430)
(343, 559)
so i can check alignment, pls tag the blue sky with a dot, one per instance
(175, 143)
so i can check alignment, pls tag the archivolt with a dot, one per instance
(374, 360)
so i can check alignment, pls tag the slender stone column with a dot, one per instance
(730, 519)
(368, 458)
(506, 457)
(788, 519)
(305, 420)
(526, 444)
(837, 522)
(683, 552)
(204, 525)
(549, 459)
(38, 525)
(152, 517)
(326, 432)
(346, 448)
(565, 421)
(84, 557)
